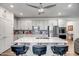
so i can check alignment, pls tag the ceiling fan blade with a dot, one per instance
(49, 6)
(32, 6)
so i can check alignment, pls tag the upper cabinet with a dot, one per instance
(27, 23)
(41, 23)
(6, 15)
(53, 22)
(24, 25)
(62, 22)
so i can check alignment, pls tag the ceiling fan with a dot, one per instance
(41, 7)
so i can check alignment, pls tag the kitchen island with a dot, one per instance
(41, 40)
(50, 41)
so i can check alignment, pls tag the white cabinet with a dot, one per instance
(1, 11)
(2, 36)
(2, 45)
(62, 22)
(2, 42)
(24, 25)
(41, 23)
(2, 27)
(6, 35)
(15, 24)
(6, 30)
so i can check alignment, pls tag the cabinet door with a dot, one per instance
(1, 28)
(8, 35)
(55, 31)
(1, 11)
(2, 45)
(2, 32)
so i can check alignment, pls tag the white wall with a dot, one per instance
(76, 28)
(75, 23)
(70, 21)
(6, 29)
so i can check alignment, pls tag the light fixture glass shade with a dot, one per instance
(41, 10)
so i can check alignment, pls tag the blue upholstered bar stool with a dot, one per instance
(19, 49)
(59, 49)
(39, 49)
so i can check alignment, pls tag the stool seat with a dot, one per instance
(19, 49)
(59, 50)
(39, 49)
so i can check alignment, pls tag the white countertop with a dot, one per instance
(34, 40)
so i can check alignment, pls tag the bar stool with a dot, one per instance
(19, 49)
(39, 49)
(59, 49)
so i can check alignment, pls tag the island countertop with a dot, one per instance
(35, 40)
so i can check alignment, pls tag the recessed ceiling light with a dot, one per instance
(70, 5)
(12, 6)
(59, 13)
(21, 13)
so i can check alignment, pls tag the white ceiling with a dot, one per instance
(51, 12)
